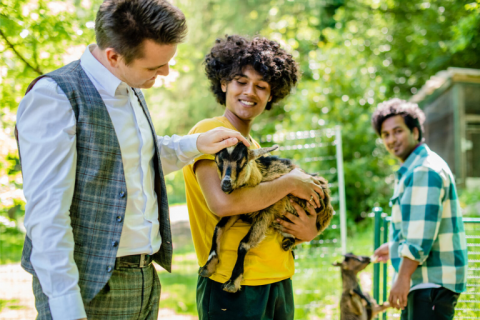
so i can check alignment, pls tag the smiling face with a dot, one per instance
(247, 94)
(141, 72)
(397, 137)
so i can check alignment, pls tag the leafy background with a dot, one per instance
(353, 55)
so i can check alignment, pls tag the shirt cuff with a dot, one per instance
(412, 252)
(67, 307)
(188, 146)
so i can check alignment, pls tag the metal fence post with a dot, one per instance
(376, 243)
(385, 265)
(341, 188)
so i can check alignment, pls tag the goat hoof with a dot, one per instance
(288, 244)
(203, 271)
(229, 286)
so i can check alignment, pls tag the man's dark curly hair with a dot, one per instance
(229, 56)
(411, 113)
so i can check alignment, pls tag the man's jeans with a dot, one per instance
(430, 304)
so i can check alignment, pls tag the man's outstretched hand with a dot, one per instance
(212, 141)
(382, 254)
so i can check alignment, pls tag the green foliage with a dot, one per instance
(38, 36)
(11, 240)
(175, 187)
(470, 202)
(353, 55)
(465, 32)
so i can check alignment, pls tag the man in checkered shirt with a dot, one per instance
(427, 240)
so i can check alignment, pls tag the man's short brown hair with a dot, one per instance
(410, 112)
(124, 25)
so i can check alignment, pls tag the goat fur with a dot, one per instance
(355, 304)
(239, 167)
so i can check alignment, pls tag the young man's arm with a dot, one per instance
(400, 289)
(176, 151)
(47, 138)
(247, 200)
(421, 207)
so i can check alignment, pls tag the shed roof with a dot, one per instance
(443, 80)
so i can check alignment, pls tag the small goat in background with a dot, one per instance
(354, 304)
(240, 167)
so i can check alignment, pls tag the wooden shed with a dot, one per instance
(451, 102)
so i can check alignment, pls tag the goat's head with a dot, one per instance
(234, 165)
(353, 262)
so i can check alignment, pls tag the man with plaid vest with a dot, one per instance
(97, 210)
(427, 240)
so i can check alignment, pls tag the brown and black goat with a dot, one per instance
(354, 304)
(240, 167)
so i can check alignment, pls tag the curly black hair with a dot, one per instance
(411, 113)
(229, 56)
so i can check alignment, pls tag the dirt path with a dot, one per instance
(16, 296)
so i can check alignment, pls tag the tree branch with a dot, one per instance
(37, 70)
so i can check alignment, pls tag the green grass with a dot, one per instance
(178, 292)
(11, 304)
(316, 283)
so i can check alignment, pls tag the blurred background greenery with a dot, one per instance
(353, 55)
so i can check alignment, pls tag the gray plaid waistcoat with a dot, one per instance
(99, 200)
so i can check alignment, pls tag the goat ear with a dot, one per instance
(256, 153)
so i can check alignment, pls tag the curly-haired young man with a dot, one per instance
(427, 240)
(97, 210)
(246, 77)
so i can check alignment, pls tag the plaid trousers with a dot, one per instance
(131, 293)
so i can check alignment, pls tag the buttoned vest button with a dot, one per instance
(119, 218)
(109, 269)
(122, 194)
(114, 243)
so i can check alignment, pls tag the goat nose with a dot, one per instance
(226, 184)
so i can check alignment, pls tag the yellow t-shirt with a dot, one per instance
(267, 263)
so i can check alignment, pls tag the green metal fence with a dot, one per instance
(468, 306)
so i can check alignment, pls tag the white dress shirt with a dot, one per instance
(47, 138)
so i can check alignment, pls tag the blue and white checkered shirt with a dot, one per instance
(427, 222)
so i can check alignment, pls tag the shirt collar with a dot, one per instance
(96, 70)
(417, 153)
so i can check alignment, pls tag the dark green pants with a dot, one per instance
(268, 302)
(430, 304)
